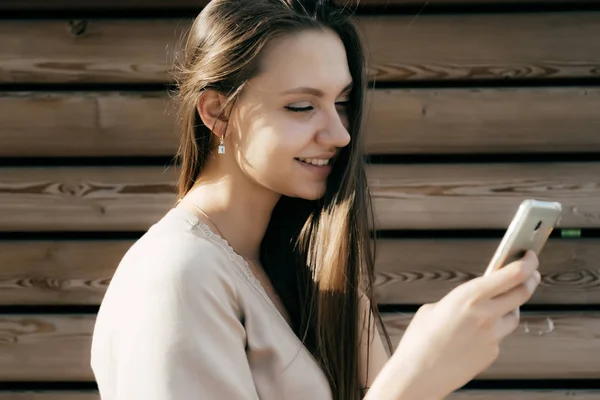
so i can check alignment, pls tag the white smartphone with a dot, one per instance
(530, 228)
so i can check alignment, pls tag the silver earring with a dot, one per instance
(221, 146)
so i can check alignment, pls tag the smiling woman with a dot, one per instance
(284, 141)
(258, 283)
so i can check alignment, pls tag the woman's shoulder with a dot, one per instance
(173, 254)
(178, 237)
(171, 279)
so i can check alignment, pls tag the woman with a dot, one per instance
(258, 284)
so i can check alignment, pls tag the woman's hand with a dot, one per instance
(450, 342)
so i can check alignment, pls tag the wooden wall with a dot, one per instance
(476, 106)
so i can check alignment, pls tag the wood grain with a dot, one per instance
(400, 47)
(419, 196)
(472, 196)
(544, 346)
(483, 120)
(461, 395)
(487, 46)
(421, 121)
(58, 272)
(55, 124)
(45, 348)
(107, 51)
(408, 271)
(51, 348)
(73, 199)
(417, 271)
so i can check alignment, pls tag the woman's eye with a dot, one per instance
(342, 106)
(299, 109)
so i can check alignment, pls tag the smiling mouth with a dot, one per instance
(314, 161)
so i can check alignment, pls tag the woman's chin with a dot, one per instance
(314, 195)
(309, 192)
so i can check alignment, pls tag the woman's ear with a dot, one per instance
(211, 108)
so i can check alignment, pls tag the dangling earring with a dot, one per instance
(221, 146)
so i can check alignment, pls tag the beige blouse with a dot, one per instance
(185, 318)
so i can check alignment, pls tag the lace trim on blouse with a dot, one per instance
(238, 260)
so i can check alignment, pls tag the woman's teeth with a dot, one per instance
(314, 161)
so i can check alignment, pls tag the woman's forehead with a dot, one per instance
(310, 59)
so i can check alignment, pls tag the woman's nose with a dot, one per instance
(336, 133)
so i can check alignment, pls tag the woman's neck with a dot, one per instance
(240, 209)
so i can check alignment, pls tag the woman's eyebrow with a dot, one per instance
(314, 91)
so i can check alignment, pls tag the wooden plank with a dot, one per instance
(492, 120)
(109, 51)
(420, 196)
(486, 46)
(58, 272)
(46, 348)
(506, 120)
(73, 199)
(408, 271)
(61, 5)
(430, 47)
(417, 271)
(87, 124)
(544, 346)
(478, 196)
(51, 348)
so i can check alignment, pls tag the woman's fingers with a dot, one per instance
(508, 304)
(507, 324)
(516, 297)
(510, 277)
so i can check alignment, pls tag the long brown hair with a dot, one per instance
(317, 254)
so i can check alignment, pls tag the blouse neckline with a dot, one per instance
(241, 262)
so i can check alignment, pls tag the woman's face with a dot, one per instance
(291, 120)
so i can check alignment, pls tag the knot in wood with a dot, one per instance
(77, 27)
(71, 189)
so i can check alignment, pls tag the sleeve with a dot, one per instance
(184, 340)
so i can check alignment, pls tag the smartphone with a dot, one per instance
(530, 228)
